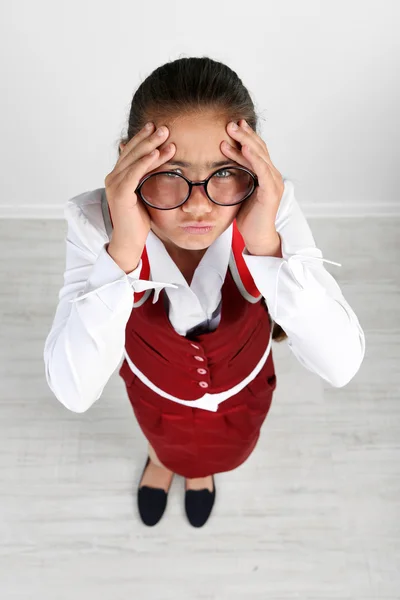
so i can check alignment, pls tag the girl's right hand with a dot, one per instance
(131, 219)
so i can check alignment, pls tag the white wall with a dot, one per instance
(323, 75)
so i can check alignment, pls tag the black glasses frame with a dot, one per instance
(193, 183)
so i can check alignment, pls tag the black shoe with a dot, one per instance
(152, 502)
(198, 505)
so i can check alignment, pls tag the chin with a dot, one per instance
(191, 241)
(195, 244)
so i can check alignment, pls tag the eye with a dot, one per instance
(223, 171)
(168, 175)
(227, 175)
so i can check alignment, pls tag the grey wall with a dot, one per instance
(323, 76)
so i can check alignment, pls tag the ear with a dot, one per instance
(122, 146)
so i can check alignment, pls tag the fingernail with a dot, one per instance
(234, 126)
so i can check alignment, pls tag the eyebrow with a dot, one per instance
(208, 165)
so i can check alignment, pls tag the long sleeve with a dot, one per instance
(306, 301)
(87, 337)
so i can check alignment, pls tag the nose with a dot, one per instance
(198, 202)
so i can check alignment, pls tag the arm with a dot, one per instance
(86, 340)
(306, 301)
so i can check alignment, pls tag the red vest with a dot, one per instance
(228, 355)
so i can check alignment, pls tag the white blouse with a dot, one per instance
(86, 341)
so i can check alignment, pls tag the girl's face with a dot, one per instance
(197, 140)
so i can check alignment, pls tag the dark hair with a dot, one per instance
(188, 85)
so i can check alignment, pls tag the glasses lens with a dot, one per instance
(167, 190)
(229, 186)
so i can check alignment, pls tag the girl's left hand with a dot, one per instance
(256, 216)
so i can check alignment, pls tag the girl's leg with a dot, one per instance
(154, 476)
(200, 483)
(191, 484)
(154, 458)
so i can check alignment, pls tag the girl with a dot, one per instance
(190, 261)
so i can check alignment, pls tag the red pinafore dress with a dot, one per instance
(194, 433)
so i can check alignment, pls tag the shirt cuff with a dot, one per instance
(106, 275)
(288, 284)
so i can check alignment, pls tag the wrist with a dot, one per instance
(127, 259)
(271, 247)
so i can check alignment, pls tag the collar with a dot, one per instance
(210, 271)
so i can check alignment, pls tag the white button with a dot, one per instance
(194, 346)
(203, 384)
(199, 358)
(202, 371)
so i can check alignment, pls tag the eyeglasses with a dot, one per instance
(166, 190)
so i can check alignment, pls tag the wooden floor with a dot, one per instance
(314, 513)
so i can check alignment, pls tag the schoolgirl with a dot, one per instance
(191, 260)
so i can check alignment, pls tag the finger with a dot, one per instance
(235, 154)
(142, 134)
(264, 150)
(246, 136)
(254, 136)
(162, 156)
(141, 144)
(264, 153)
(146, 164)
(260, 166)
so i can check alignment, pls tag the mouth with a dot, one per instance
(199, 227)
(198, 224)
